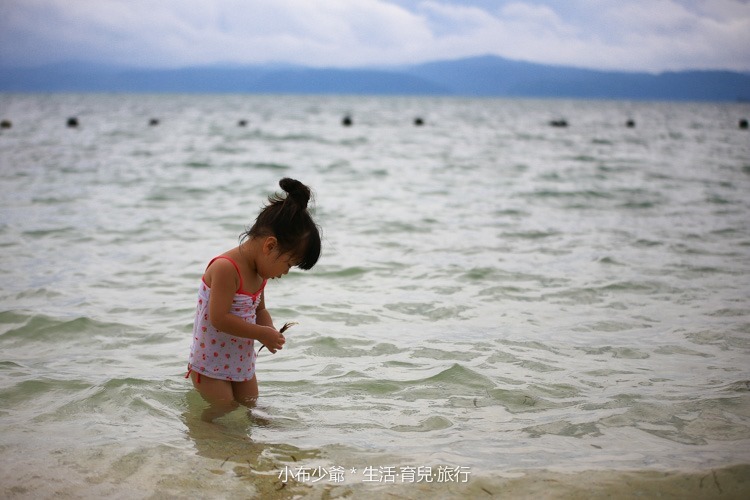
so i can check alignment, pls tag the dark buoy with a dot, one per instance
(418, 122)
(153, 122)
(743, 124)
(72, 122)
(6, 124)
(559, 123)
(630, 123)
(242, 123)
(347, 121)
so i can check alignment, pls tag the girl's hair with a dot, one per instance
(288, 220)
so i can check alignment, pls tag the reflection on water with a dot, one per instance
(229, 441)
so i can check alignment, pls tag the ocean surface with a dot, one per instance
(497, 299)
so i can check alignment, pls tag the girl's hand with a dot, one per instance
(272, 339)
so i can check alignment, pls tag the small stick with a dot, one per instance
(284, 328)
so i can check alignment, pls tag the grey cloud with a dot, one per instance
(651, 35)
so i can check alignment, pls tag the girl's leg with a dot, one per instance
(246, 393)
(217, 393)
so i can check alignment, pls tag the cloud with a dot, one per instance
(175, 33)
(649, 35)
(645, 35)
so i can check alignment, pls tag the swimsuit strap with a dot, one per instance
(237, 268)
(260, 289)
(190, 370)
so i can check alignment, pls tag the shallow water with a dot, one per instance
(495, 294)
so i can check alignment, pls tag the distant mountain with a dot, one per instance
(252, 79)
(345, 81)
(92, 78)
(495, 76)
(486, 76)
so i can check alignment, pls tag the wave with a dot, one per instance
(21, 327)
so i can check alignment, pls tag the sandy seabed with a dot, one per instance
(150, 476)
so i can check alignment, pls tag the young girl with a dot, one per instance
(232, 312)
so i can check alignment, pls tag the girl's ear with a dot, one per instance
(270, 244)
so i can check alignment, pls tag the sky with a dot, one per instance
(627, 35)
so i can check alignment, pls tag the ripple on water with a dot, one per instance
(26, 327)
(331, 347)
(429, 424)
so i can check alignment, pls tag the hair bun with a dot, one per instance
(296, 191)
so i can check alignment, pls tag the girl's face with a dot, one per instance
(274, 264)
(280, 265)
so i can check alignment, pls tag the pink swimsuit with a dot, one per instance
(217, 354)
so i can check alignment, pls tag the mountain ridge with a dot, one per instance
(480, 76)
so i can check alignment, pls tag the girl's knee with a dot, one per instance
(246, 393)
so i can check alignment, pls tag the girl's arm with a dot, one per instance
(263, 317)
(223, 281)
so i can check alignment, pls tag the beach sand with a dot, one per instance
(163, 472)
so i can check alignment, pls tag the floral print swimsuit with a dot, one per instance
(217, 354)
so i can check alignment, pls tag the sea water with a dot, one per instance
(495, 297)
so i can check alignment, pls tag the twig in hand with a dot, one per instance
(284, 328)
